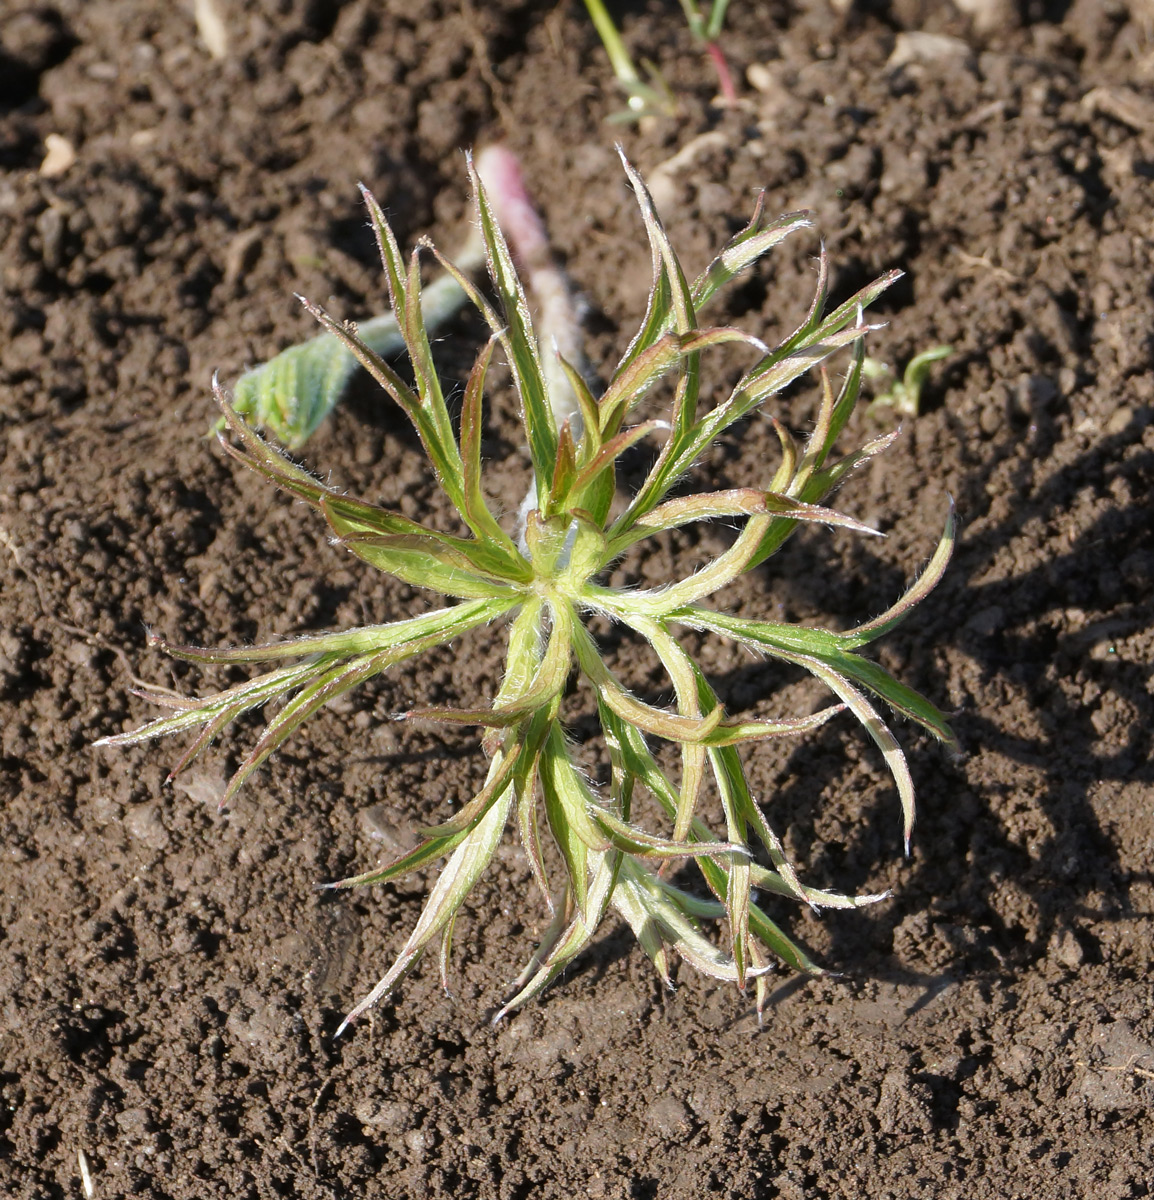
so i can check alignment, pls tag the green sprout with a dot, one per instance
(905, 396)
(545, 579)
(651, 96)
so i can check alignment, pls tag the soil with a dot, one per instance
(170, 981)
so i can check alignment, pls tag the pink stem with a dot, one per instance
(500, 172)
(724, 78)
(558, 322)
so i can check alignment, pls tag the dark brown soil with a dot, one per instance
(170, 982)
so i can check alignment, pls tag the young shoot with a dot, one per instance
(545, 581)
(904, 395)
(650, 96)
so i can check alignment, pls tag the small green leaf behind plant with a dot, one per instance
(543, 583)
(905, 395)
(290, 396)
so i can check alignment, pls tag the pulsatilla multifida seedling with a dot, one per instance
(545, 579)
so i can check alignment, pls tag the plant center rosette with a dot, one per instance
(544, 578)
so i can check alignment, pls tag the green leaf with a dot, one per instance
(771, 881)
(780, 943)
(883, 738)
(291, 394)
(905, 397)
(563, 943)
(587, 406)
(751, 244)
(427, 852)
(350, 518)
(805, 646)
(476, 512)
(470, 857)
(424, 369)
(520, 343)
(321, 691)
(637, 758)
(429, 563)
(785, 472)
(775, 372)
(833, 415)
(547, 683)
(640, 898)
(230, 704)
(610, 451)
(684, 315)
(568, 804)
(672, 726)
(347, 516)
(501, 771)
(925, 583)
(525, 780)
(682, 673)
(735, 502)
(564, 472)
(441, 453)
(391, 257)
(636, 377)
(588, 552)
(630, 839)
(824, 481)
(448, 622)
(729, 733)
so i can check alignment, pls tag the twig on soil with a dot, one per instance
(211, 27)
(1127, 1067)
(661, 185)
(1123, 105)
(314, 1108)
(978, 263)
(483, 59)
(85, 1175)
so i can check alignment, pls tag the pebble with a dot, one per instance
(60, 156)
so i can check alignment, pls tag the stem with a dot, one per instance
(614, 45)
(559, 323)
(724, 77)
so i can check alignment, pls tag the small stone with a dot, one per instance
(144, 824)
(1019, 1063)
(917, 47)
(211, 27)
(987, 15)
(60, 156)
(987, 621)
(15, 656)
(202, 786)
(134, 1122)
(241, 255)
(1034, 394)
(990, 418)
(390, 1115)
(80, 654)
(381, 823)
(669, 1117)
(1067, 950)
(419, 1142)
(759, 77)
(905, 1104)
